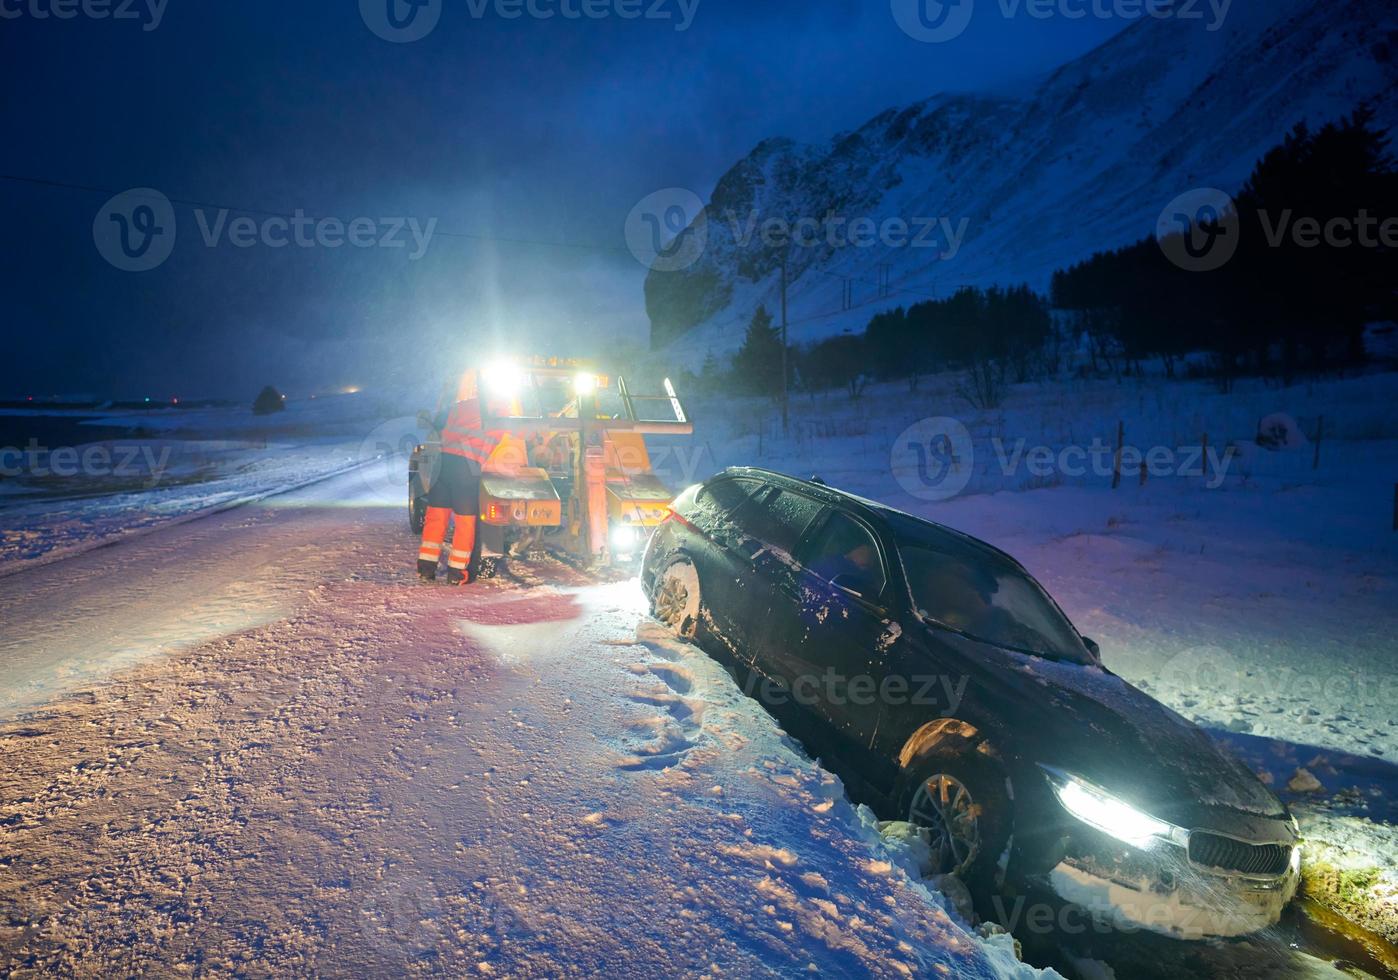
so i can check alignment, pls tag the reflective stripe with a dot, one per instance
(459, 559)
(430, 551)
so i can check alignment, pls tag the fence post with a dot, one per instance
(1116, 460)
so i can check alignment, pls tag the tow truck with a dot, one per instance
(572, 474)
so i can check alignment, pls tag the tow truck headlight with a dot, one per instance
(1097, 808)
(624, 539)
(584, 383)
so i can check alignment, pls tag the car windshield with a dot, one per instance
(987, 598)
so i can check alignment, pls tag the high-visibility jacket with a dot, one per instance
(464, 434)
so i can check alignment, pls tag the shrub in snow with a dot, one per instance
(1280, 431)
(268, 401)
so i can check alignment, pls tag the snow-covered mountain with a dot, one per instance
(1009, 187)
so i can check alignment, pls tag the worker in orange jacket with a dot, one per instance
(456, 486)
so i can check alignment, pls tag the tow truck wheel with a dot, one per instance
(675, 601)
(417, 510)
(961, 801)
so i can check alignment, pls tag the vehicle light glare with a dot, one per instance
(584, 383)
(503, 378)
(624, 539)
(1108, 814)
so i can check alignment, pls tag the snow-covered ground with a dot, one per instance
(309, 764)
(173, 464)
(250, 743)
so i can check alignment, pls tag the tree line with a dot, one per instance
(1312, 259)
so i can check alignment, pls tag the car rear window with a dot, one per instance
(721, 496)
(777, 519)
(846, 551)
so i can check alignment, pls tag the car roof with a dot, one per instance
(889, 518)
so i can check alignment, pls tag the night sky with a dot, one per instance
(528, 130)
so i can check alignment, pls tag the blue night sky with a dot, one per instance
(525, 129)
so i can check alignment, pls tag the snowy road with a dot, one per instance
(271, 751)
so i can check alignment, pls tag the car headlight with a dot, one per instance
(1097, 808)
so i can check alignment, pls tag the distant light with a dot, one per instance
(148, 399)
(348, 390)
(584, 383)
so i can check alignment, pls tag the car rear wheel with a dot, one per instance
(960, 798)
(676, 601)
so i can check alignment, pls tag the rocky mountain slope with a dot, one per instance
(999, 188)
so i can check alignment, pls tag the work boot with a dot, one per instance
(426, 570)
(458, 576)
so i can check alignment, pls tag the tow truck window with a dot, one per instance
(846, 554)
(777, 519)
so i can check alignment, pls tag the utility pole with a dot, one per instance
(786, 417)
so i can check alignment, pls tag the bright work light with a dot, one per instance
(503, 377)
(584, 383)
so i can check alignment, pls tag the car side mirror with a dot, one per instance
(1092, 647)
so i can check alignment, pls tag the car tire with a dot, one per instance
(959, 794)
(676, 600)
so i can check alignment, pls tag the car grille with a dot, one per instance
(1235, 855)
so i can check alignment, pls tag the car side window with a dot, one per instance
(723, 496)
(776, 519)
(846, 554)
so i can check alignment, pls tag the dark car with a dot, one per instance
(947, 689)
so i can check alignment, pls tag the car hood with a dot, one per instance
(1090, 722)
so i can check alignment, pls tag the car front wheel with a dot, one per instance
(960, 799)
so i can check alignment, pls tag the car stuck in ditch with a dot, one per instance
(946, 688)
